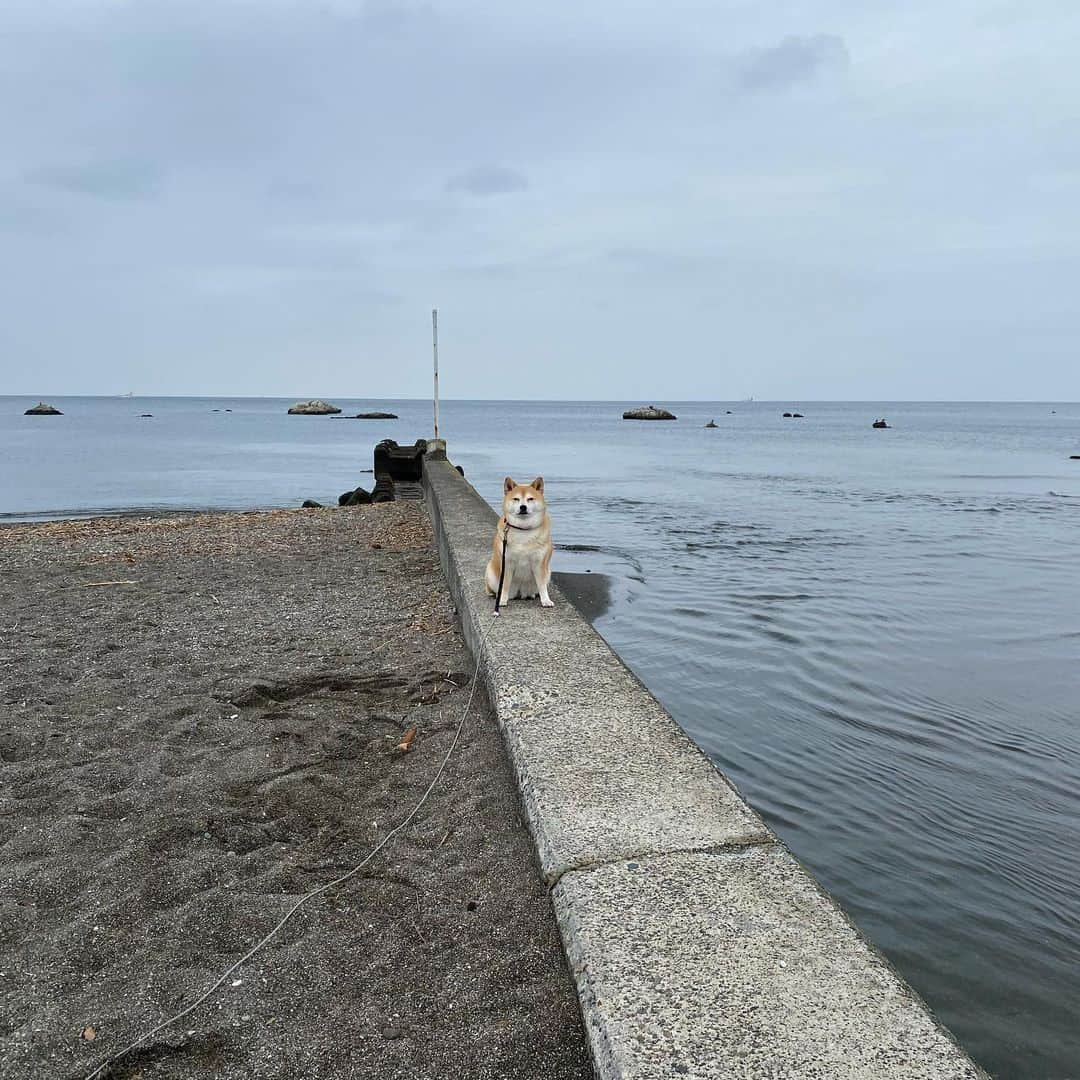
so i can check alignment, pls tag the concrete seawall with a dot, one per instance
(699, 946)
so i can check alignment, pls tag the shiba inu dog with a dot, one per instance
(527, 531)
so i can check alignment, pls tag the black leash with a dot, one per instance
(502, 569)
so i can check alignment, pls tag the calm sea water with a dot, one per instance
(876, 634)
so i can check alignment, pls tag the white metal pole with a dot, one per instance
(435, 356)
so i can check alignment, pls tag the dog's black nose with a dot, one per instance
(523, 509)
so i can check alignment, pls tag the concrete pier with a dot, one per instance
(699, 946)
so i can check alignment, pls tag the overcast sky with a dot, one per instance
(656, 201)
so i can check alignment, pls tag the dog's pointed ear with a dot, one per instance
(508, 484)
(538, 483)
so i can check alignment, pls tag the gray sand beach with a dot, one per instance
(200, 723)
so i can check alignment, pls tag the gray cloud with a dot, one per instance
(793, 60)
(487, 180)
(102, 179)
(266, 183)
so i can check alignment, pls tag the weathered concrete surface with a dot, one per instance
(604, 772)
(736, 964)
(699, 946)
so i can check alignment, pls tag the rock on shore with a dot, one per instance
(315, 407)
(648, 412)
(356, 497)
(41, 409)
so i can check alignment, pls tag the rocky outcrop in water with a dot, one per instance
(370, 416)
(41, 409)
(882, 423)
(315, 407)
(648, 412)
(712, 423)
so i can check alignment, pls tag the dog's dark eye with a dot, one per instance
(530, 499)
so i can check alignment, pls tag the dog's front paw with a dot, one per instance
(546, 601)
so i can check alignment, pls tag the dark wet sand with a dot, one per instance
(589, 593)
(185, 754)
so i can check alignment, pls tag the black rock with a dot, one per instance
(369, 416)
(787, 416)
(712, 423)
(460, 469)
(1074, 457)
(880, 424)
(311, 504)
(797, 416)
(356, 497)
(146, 416)
(729, 413)
(41, 409)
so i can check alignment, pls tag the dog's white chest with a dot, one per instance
(525, 544)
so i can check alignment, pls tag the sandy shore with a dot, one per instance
(186, 750)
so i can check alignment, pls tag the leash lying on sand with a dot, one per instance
(114, 1058)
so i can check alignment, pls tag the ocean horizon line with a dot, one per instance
(555, 401)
